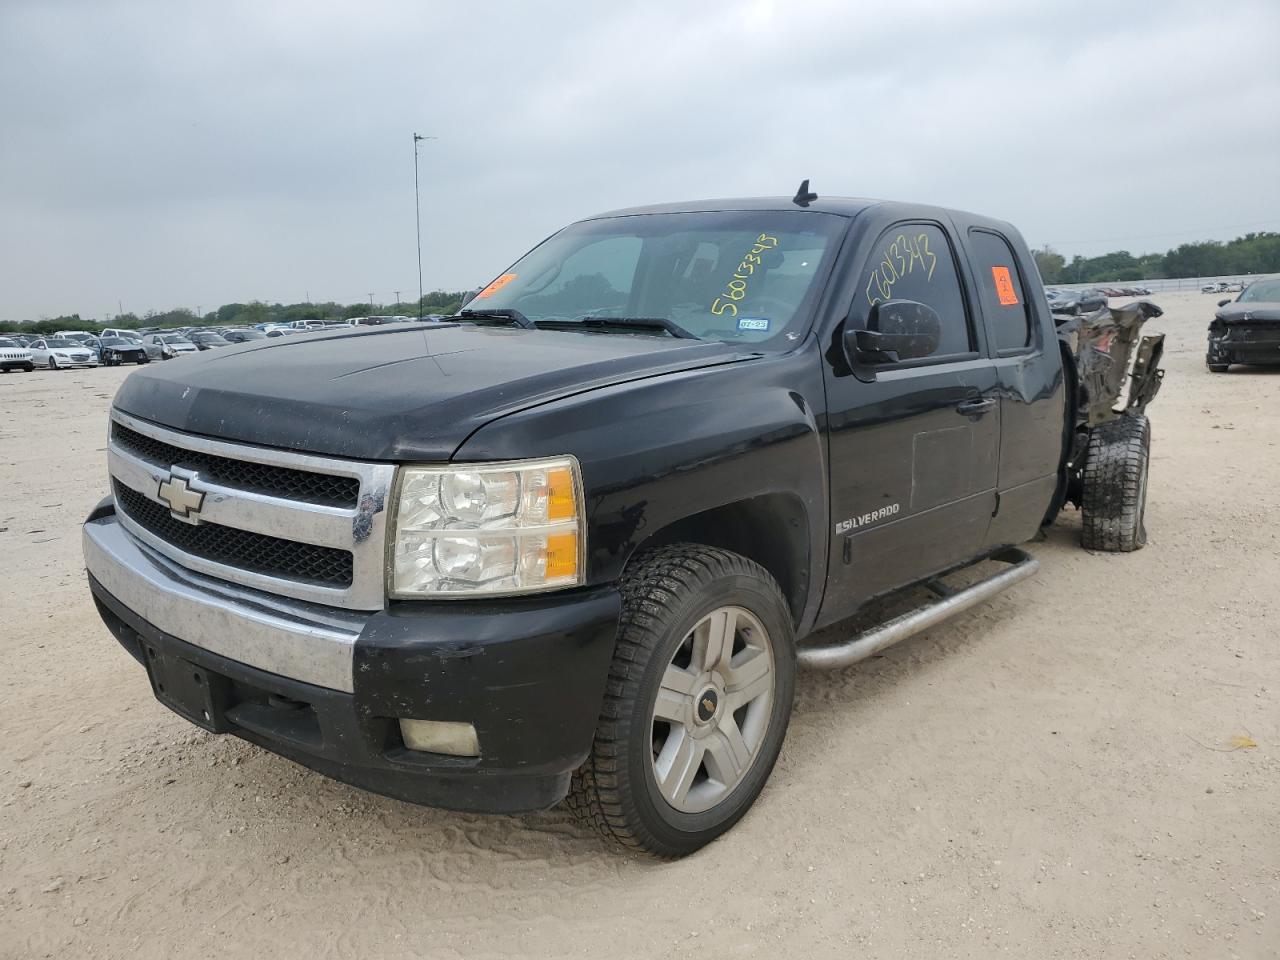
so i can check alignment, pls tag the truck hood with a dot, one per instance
(405, 393)
(1260, 312)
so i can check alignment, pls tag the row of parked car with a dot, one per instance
(113, 346)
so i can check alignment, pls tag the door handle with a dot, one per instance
(976, 407)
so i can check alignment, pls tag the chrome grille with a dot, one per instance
(302, 526)
(257, 477)
(255, 552)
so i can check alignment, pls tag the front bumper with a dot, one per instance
(1251, 343)
(326, 687)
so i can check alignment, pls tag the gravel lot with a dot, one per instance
(1068, 771)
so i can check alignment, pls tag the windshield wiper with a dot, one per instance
(512, 316)
(638, 323)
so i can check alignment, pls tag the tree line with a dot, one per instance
(1252, 253)
(247, 314)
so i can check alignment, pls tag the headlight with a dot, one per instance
(497, 528)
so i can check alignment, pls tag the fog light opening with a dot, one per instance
(441, 736)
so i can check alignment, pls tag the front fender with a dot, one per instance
(658, 451)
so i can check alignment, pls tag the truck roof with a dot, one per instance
(839, 206)
(842, 206)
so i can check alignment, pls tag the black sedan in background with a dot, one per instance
(207, 340)
(242, 334)
(1246, 330)
(113, 351)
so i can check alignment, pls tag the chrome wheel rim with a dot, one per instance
(712, 711)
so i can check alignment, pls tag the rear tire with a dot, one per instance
(696, 704)
(1115, 485)
(1219, 367)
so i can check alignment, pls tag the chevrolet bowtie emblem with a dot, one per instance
(184, 502)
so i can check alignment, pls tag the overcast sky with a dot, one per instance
(176, 154)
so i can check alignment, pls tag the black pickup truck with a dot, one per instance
(565, 544)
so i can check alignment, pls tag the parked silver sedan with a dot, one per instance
(59, 353)
(166, 346)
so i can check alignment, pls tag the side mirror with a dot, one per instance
(896, 330)
(1223, 303)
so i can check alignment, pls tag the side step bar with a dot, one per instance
(949, 603)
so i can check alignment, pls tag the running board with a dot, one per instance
(949, 603)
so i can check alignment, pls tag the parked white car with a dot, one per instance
(14, 356)
(59, 353)
(167, 345)
(121, 332)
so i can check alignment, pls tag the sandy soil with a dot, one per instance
(1052, 775)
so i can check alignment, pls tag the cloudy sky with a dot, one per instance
(172, 154)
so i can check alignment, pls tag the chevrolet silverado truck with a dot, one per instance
(566, 545)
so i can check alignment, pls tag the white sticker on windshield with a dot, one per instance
(753, 323)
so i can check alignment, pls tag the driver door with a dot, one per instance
(914, 445)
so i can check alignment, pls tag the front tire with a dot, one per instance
(697, 702)
(53, 364)
(1115, 485)
(1219, 367)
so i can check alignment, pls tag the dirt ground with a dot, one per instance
(1068, 771)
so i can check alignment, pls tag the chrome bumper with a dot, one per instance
(292, 638)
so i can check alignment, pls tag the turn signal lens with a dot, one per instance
(562, 556)
(561, 495)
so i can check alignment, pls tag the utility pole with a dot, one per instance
(417, 213)
(371, 304)
(397, 298)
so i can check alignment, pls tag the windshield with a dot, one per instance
(208, 338)
(112, 341)
(62, 342)
(247, 335)
(1261, 291)
(738, 275)
(6, 342)
(173, 339)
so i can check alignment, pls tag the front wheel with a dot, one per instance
(697, 703)
(1114, 498)
(1218, 367)
(53, 364)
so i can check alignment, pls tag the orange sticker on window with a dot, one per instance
(1004, 286)
(497, 285)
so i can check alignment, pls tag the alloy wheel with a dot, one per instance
(712, 711)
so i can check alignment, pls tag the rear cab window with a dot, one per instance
(1001, 291)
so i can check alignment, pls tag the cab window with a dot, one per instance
(915, 261)
(1000, 287)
